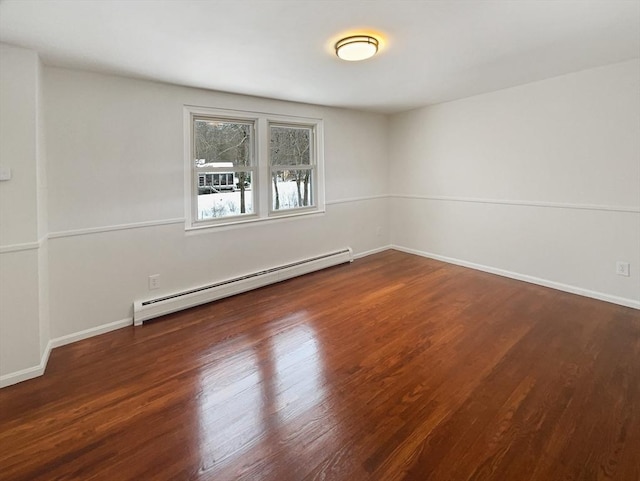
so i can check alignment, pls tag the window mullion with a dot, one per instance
(262, 160)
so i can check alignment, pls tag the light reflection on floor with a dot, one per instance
(275, 382)
(230, 414)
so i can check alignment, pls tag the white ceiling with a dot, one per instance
(431, 51)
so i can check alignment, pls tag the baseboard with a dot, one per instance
(372, 251)
(28, 373)
(526, 278)
(93, 331)
(36, 371)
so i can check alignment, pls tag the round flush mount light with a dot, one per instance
(356, 47)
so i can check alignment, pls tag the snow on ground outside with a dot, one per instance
(226, 203)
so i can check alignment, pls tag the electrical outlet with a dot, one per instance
(154, 282)
(622, 268)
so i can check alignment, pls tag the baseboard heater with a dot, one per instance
(151, 308)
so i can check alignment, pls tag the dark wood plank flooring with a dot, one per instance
(393, 367)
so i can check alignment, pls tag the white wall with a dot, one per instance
(540, 181)
(19, 312)
(115, 157)
(23, 283)
(18, 128)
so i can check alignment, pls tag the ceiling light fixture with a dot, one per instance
(356, 47)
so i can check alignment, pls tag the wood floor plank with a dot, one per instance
(394, 367)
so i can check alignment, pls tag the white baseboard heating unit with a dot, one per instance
(151, 308)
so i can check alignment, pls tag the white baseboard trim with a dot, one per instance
(36, 371)
(526, 278)
(93, 331)
(28, 373)
(372, 251)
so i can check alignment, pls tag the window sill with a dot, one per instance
(232, 224)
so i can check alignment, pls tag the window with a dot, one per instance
(291, 166)
(246, 167)
(223, 159)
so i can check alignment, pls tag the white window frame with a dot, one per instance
(261, 183)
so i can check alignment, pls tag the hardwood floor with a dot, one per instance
(393, 367)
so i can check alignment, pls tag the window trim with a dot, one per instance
(261, 179)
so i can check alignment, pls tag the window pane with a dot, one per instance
(291, 188)
(222, 143)
(290, 145)
(223, 194)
